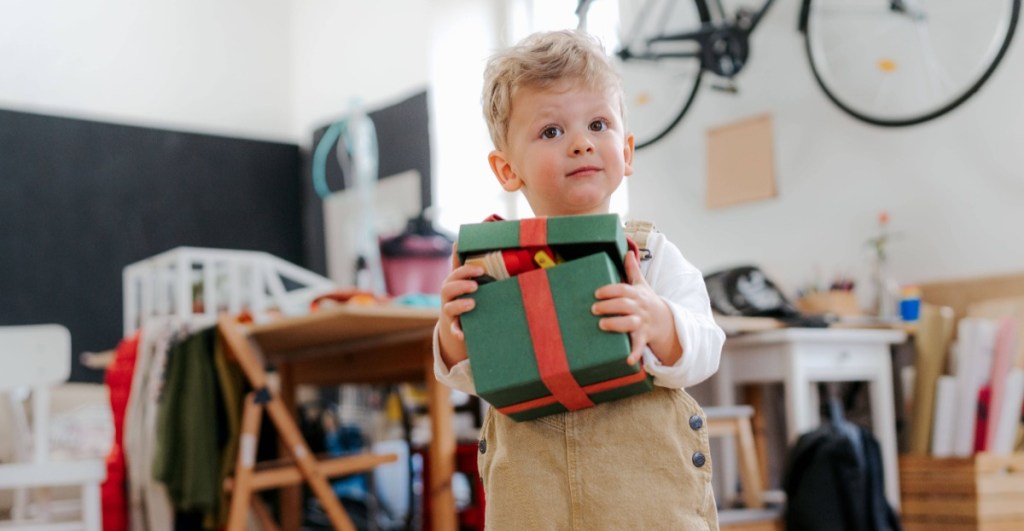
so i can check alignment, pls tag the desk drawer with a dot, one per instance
(842, 361)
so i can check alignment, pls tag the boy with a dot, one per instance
(554, 108)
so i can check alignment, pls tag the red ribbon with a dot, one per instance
(606, 385)
(546, 336)
(533, 232)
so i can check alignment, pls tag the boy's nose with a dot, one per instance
(582, 145)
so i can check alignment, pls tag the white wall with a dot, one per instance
(954, 187)
(205, 66)
(252, 68)
(371, 52)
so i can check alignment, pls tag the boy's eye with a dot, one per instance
(551, 132)
(598, 125)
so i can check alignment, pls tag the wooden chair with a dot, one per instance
(302, 466)
(37, 357)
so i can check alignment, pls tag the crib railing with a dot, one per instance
(188, 282)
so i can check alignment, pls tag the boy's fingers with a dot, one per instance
(456, 329)
(451, 290)
(633, 274)
(620, 323)
(461, 281)
(611, 291)
(637, 352)
(457, 307)
(455, 255)
(617, 306)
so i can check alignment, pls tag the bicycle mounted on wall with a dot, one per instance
(885, 62)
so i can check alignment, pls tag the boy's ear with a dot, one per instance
(502, 169)
(627, 153)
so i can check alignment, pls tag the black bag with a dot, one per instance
(833, 480)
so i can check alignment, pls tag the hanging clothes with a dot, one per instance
(118, 379)
(198, 426)
(149, 505)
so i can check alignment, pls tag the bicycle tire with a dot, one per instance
(983, 69)
(659, 92)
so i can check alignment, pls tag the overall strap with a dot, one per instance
(639, 231)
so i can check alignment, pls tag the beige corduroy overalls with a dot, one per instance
(639, 463)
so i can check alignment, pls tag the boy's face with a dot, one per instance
(566, 149)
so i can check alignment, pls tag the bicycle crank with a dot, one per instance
(724, 50)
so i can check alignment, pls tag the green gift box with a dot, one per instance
(534, 345)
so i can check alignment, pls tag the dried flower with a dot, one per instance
(879, 242)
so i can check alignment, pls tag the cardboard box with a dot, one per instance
(842, 303)
(535, 347)
(980, 493)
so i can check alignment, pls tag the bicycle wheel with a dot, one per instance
(660, 77)
(903, 62)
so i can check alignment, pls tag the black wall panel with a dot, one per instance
(80, 199)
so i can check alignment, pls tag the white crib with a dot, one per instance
(187, 282)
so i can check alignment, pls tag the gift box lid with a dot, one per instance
(571, 236)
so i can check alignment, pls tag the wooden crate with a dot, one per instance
(769, 519)
(985, 492)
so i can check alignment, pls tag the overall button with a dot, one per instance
(699, 459)
(483, 446)
(696, 422)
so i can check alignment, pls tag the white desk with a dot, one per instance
(799, 358)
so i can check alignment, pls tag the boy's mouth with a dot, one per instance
(583, 171)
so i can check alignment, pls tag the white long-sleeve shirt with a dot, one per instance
(681, 285)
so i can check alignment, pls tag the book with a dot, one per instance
(974, 366)
(945, 407)
(1002, 360)
(1008, 421)
(931, 343)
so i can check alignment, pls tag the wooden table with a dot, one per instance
(365, 344)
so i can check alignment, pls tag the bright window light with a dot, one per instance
(466, 191)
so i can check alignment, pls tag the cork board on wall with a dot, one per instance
(741, 164)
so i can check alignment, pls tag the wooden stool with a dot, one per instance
(301, 467)
(734, 421)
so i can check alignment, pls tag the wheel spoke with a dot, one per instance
(938, 74)
(856, 45)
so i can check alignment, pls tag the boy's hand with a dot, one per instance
(458, 283)
(634, 308)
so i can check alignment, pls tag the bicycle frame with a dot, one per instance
(724, 43)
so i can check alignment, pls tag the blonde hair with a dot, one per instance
(542, 61)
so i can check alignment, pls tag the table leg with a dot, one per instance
(290, 497)
(442, 454)
(799, 418)
(884, 426)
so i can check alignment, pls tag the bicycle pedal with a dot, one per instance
(730, 88)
